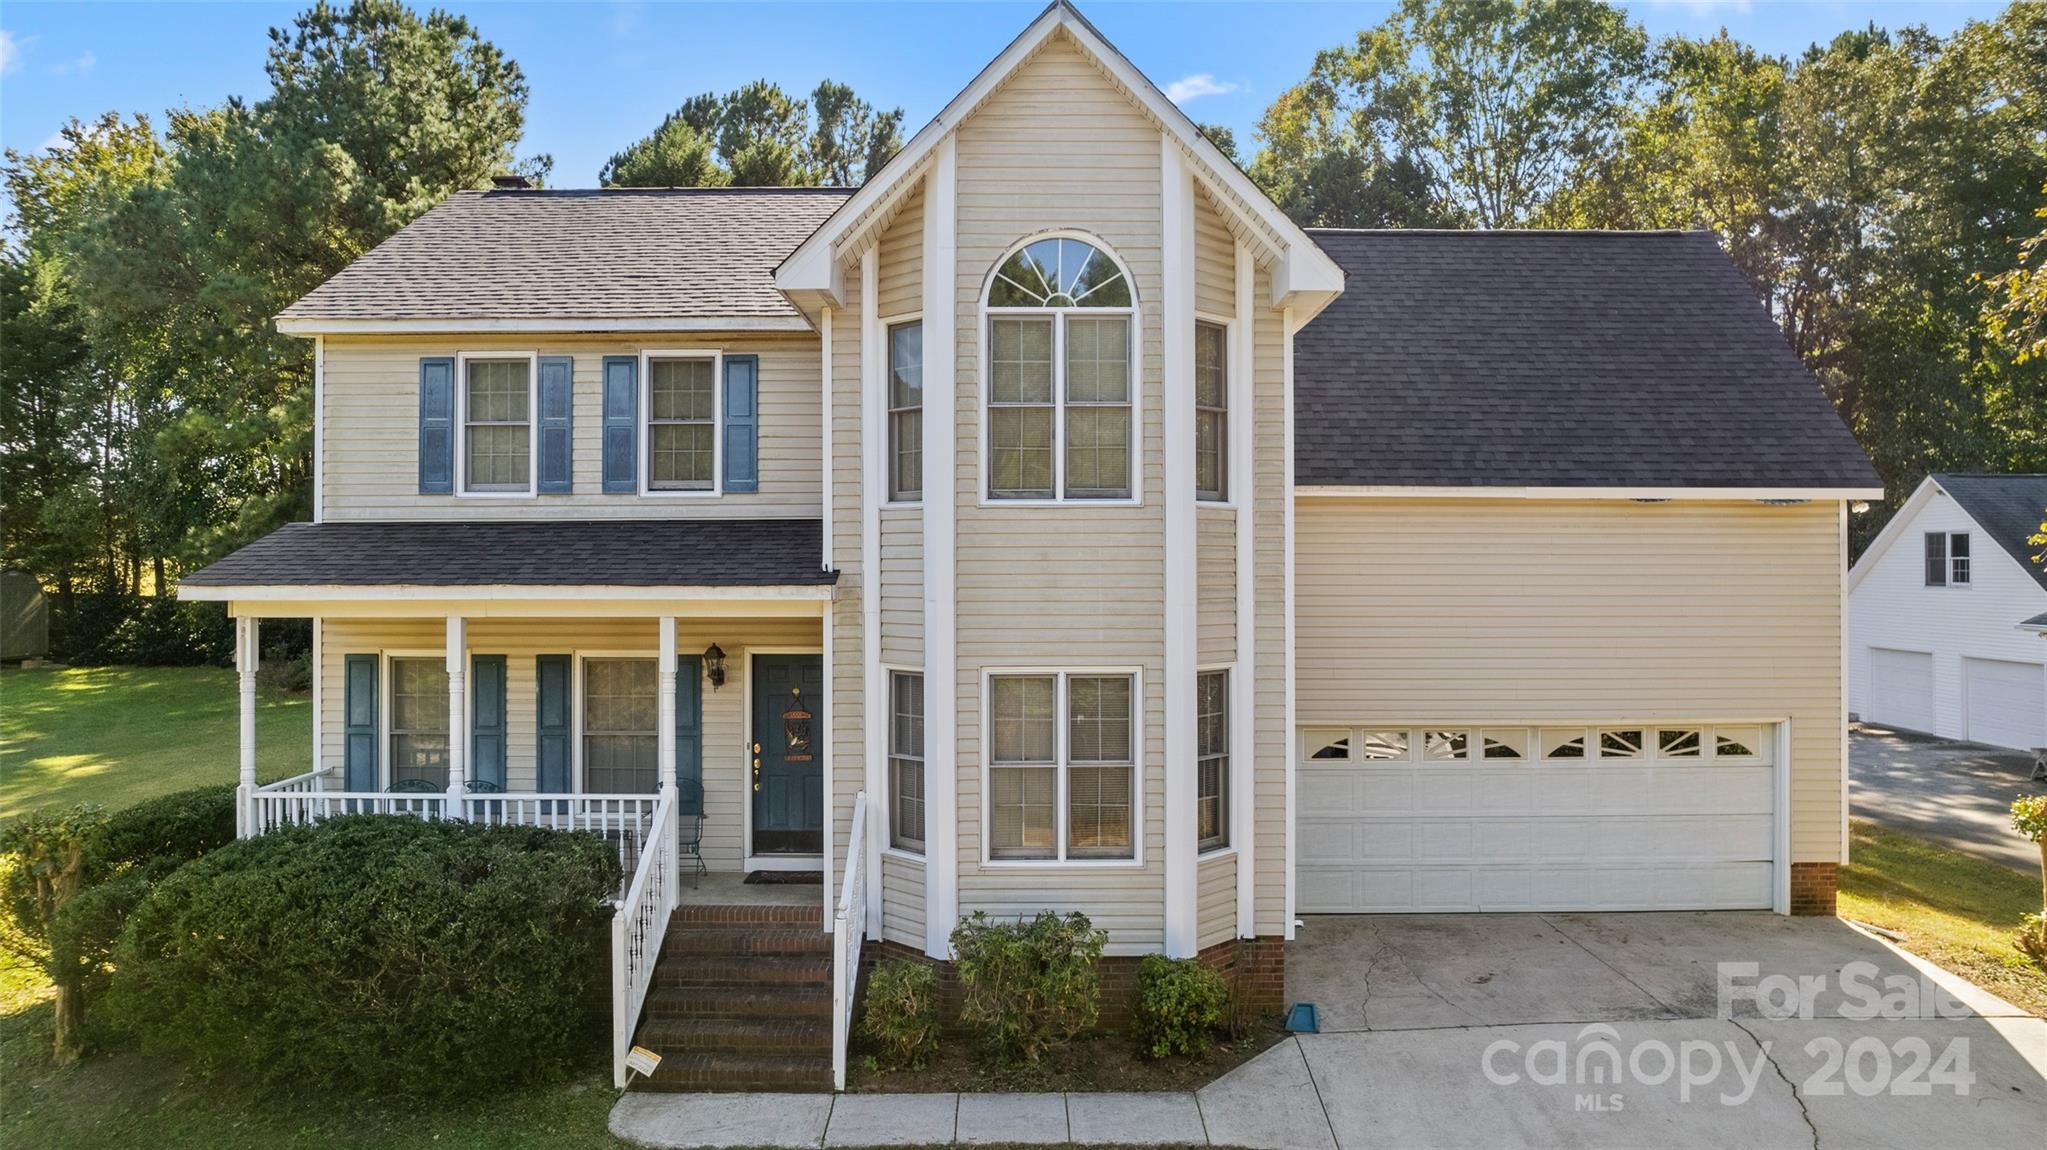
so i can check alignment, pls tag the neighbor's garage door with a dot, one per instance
(1900, 689)
(1622, 817)
(2005, 703)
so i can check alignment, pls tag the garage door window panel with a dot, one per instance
(1679, 743)
(1444, 746)
(1328, 745)
(1384, 746)
(1565, 744)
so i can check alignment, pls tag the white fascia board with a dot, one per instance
(414, 592)
(1672, 494)
(288, 325)
(1898, 525)
(1303, 267)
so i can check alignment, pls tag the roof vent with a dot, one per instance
(510, 182)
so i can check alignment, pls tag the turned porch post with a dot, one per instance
(458, 716)
(245, 670)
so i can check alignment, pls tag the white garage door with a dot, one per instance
(2005, 703)
(1900, 689)
(1622, 817)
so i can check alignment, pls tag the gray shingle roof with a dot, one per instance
(619, 553)
(1556, 359)
(2009, 508)
(613, 254)
(2036, 623)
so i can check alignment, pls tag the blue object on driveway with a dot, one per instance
(1300, 1019)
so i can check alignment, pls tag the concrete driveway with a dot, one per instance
(1460, 1030)
(1957, 794)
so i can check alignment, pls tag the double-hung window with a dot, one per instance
(497, 425)
(1211, 411)
(621, 715)
(1062, 766)
(1947, 558)
(906, 762)
(419, 724)
(1212, 754)
(682, 433)
(906, 411)
(1060, 401)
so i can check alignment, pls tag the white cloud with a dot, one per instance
(10, 53)
(52, 142)
(78, 66)
(1196, 86)
(1701, 9)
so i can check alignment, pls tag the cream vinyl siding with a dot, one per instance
(1274, 741)
(1215, 583)
(1075, 586)
(901, 269)
(1215, 260)
(902, 906)
(902, 587)
(725, 757)
(1217, 919)
(849, 702)
(1559, 612)
(370, 438)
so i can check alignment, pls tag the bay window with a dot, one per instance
(1062, 774)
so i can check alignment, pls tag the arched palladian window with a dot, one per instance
(1060, 419)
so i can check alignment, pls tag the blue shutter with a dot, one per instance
(551, 763)
(742, 423)
(436, 425)
(557, 396)
(359, 723)
(621, 417)
(689, 733)
(487, 719)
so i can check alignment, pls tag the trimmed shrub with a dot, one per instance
(1180, 1003)
(1029, 986)
(174, 828)
(901, 1015)
(376, 955)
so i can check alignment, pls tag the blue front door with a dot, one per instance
(788, 754)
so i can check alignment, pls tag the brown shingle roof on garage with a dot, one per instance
(616, 254)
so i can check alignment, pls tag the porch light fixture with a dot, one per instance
(714, 665)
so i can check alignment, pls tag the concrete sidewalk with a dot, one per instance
(814, 1120)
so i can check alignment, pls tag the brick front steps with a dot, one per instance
(742, 1000)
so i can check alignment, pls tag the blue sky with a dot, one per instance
(604, 74)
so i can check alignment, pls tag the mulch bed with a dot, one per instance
(1094, 1064)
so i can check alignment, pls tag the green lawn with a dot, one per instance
(118, 735)
(1955, 910)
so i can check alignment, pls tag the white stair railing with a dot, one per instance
(849, 932)
(638, 929)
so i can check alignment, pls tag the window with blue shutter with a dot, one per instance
(621, 419)
(437, 425)
(557, 398)
(359, 723)
(551, 759)
(689, 733)
(742, 423)
(487, 723)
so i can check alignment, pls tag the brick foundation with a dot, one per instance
(1255, 968)
(1812, 887)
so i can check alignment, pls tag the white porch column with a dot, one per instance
(458, 716)
(245, 669)
(1181, 653)
(664, 738)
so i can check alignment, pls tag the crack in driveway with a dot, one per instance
(1764, 1048)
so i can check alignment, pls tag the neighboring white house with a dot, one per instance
(1946, 612)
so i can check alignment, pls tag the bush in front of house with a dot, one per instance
(1181, 1002)
(171, 829)
(901, 1012)
(376, 955)
(2029, 818)
(1030, 985)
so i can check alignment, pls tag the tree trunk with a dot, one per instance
(162, 584)
(67, 1043)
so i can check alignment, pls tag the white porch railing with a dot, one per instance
(637, 931)
(849, 931)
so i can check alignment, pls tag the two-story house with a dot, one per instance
(1103, 539)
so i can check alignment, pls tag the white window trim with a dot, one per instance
(983, 339)
(462, 361)
(1138, 726)
(888, 498)
(1968, 561)
(643, 445)
(577, 782)
(1230, 687)
(1230, 411)
(384, 657)
(889, 671)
